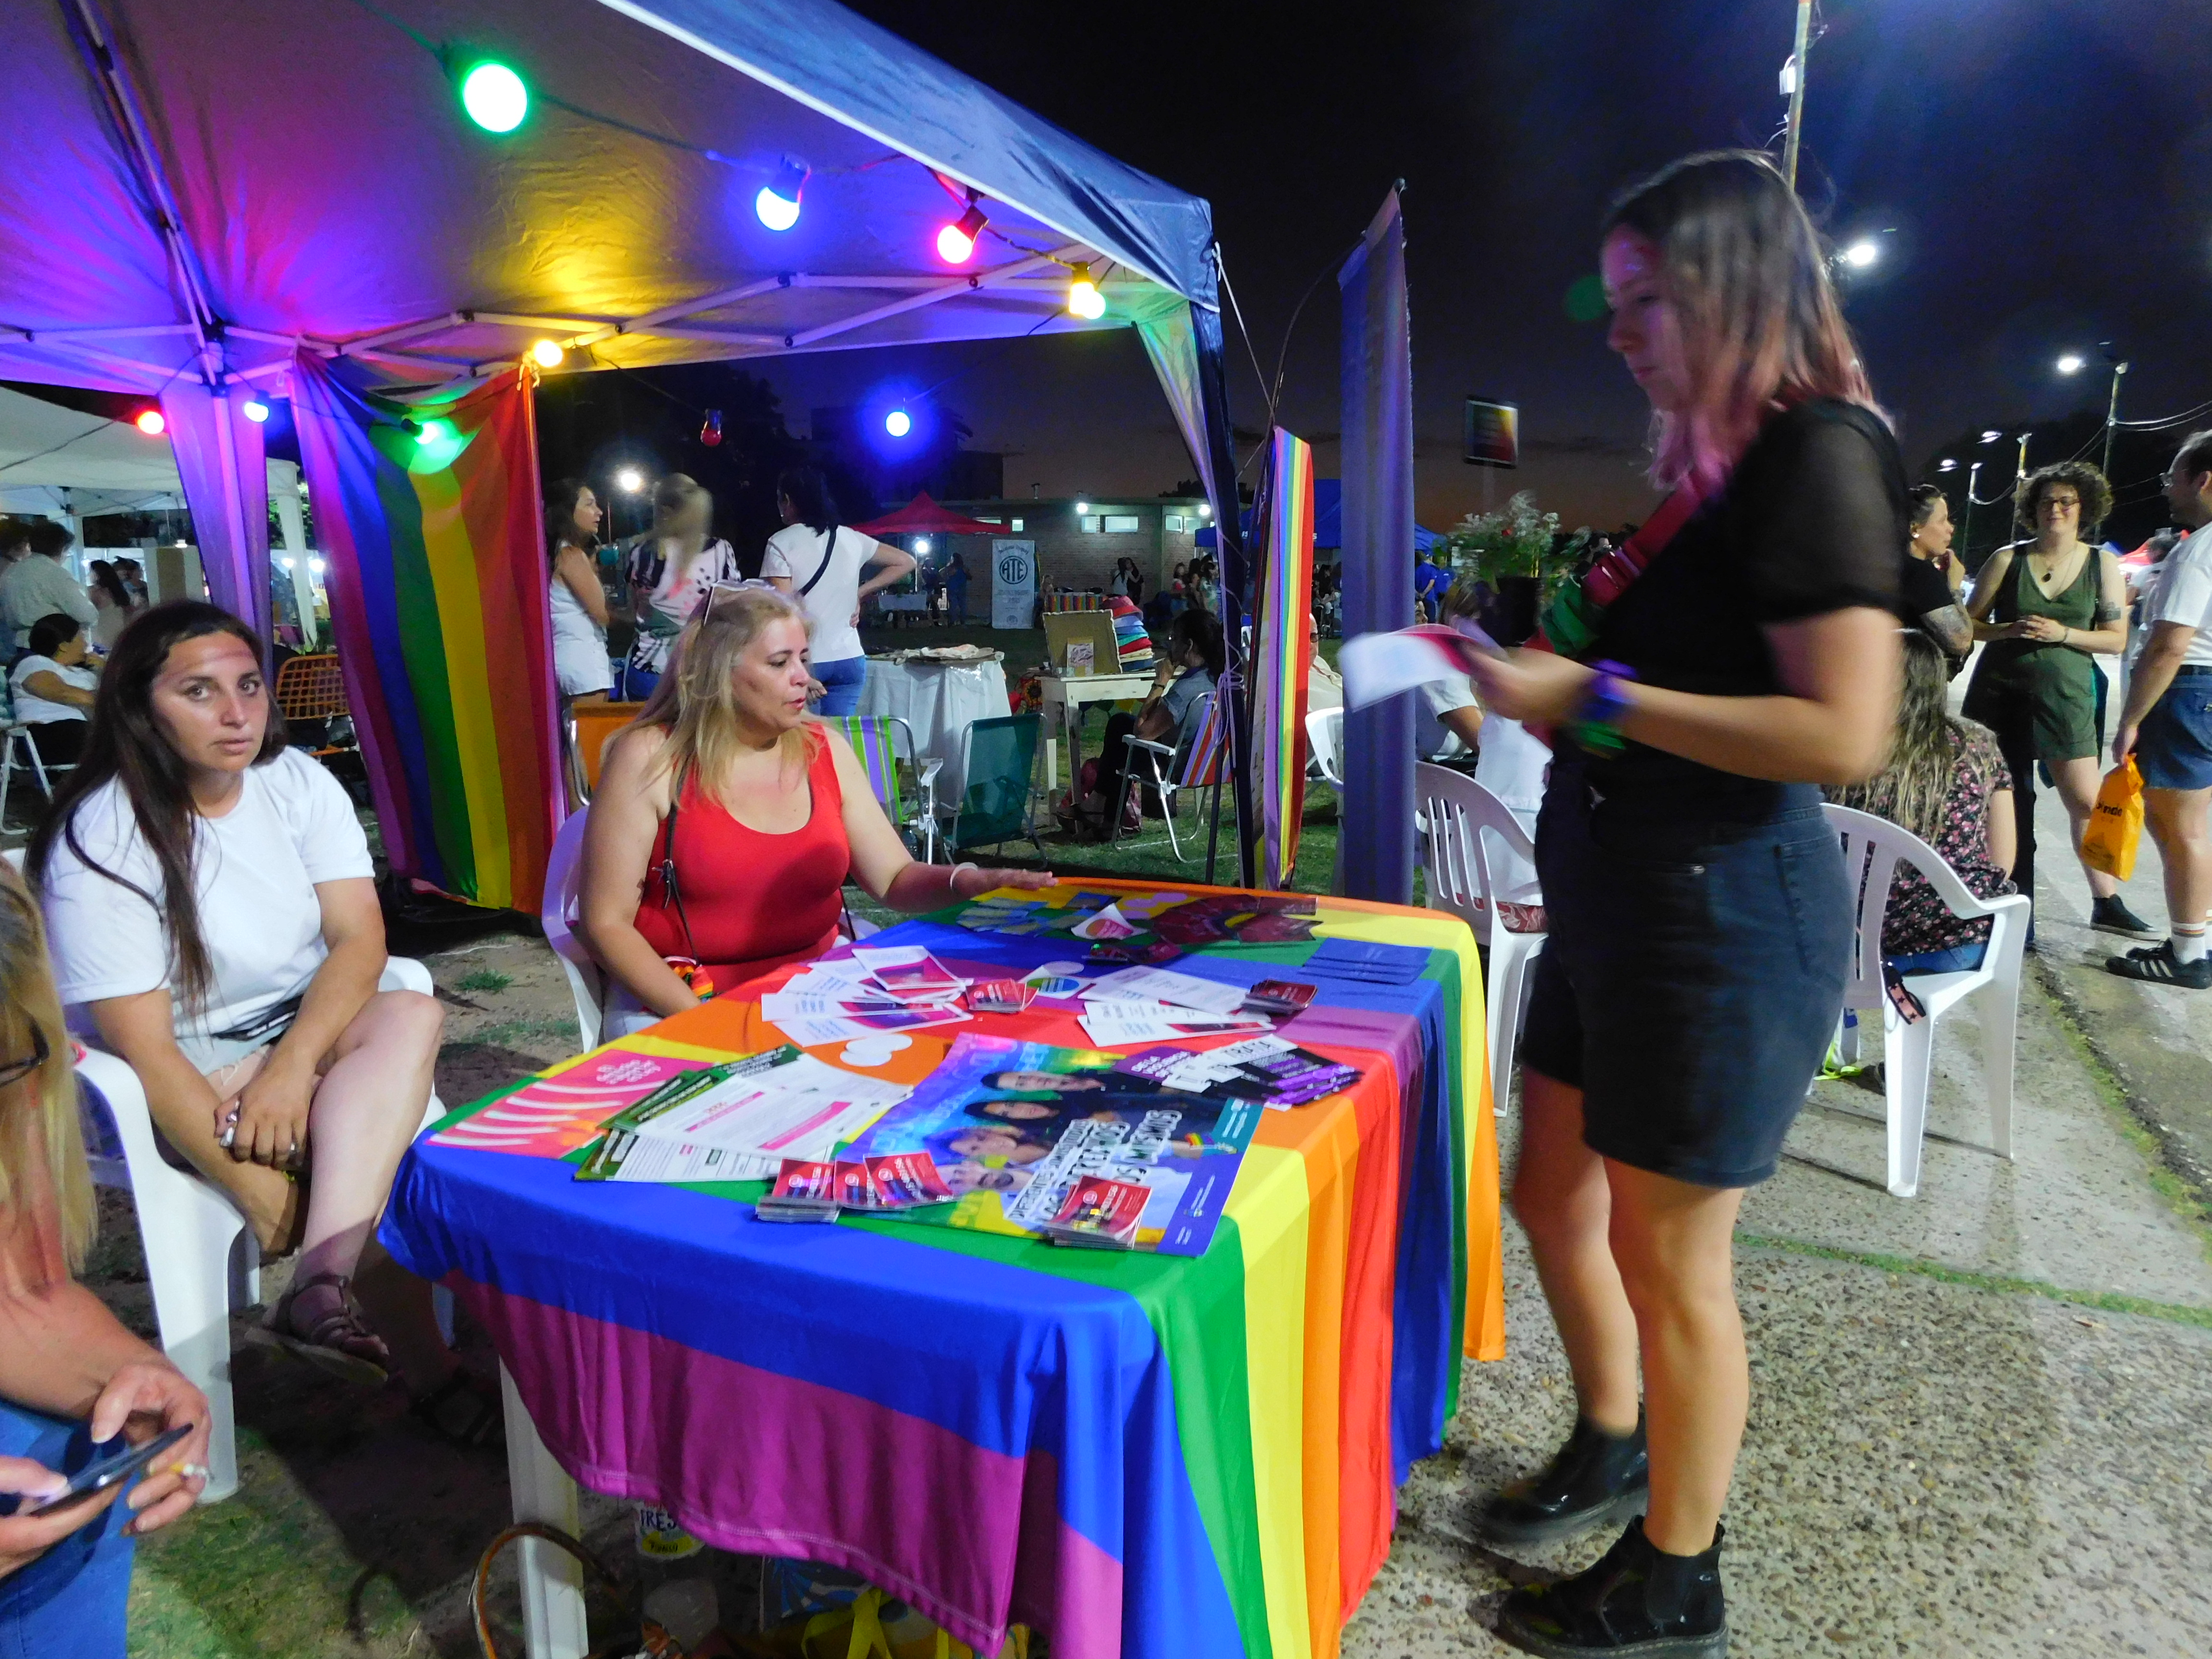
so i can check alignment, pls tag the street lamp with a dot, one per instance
(1862, 254)
(1991, 436)
(2073, 363)
(1793, 83)
(629, 481)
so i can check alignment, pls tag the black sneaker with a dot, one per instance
(1636, 1601)
(2159, 965)
(1597, 1478)
(2111, 915)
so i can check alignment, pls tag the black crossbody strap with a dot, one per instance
(829, 550)
(667, 867)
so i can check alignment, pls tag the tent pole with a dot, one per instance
(1213, 389)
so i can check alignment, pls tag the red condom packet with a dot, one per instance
(1001, 996)
(902, 1181)
(1099, 1213)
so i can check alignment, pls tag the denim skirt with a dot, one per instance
(1694, 971)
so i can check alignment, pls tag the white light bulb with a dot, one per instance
(316, 566)
(898, 423)
(776, 212)
(2069, 364)
(630, 480)
(922, 543)
(1860, 254)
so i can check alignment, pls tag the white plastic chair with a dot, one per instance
(1452, 816)
(201, 1257)
(561, 910)
(1325, 743)
(1872, 848)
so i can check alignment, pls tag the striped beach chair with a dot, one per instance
(1201, 768)
(876, 739)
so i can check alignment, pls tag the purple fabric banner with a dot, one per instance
(226, 477)
(1375, 860)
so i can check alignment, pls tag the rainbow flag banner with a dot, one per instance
(427, 514)
(1141, 1455)
(1281, 655)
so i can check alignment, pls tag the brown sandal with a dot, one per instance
(339, 1342)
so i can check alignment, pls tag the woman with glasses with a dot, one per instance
(71, 1377)
(2045, 606)
(727, 821)
(214, 920)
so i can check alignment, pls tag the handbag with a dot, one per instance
(689, 969)
(2115, 826)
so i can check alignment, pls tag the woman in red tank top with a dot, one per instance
(727, 821)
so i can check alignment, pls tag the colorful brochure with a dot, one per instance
(1114, 1025)
(742, 1124)
(1013, 1127)
(1100, 1213)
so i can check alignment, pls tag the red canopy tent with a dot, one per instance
(923, 517)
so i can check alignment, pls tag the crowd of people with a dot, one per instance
(1784, 630)
(59, 631)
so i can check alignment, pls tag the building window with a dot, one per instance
(1177, 522)
(1091, 524)
(1016, 526)
(1122, 524)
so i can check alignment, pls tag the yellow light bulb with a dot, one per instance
(547, 353)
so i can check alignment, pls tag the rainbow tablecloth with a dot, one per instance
(1138, 1454)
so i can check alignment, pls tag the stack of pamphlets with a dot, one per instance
(1279, 996)
(1143, 1004)
(817, 1189)
(1271, 1070)
(1100, 1214)
(739, 1121)
(1014, 1128)
(897, 988)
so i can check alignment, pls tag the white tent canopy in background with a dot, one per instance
(57, 461)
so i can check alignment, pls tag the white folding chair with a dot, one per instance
(202, 1259)
(561, 908)
(1325, 742)
(1872, 848)
(1454, 816)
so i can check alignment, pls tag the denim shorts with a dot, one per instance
(70, 1603)
(2174, 747)
(1693, 974)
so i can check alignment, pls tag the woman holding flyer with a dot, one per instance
(1703, 682)
(727, 822)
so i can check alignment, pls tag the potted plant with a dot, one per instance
(1518, 553)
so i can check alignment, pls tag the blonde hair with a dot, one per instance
(48, 1117)
(695, 704)
(681, 507)
(1746, 273)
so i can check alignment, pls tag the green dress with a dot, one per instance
(2049, 689)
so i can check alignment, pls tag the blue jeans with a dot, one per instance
(72, 1601)
(633, 685)
(841, 681)
(1959, 959)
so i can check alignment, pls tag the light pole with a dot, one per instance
(1966, 528)
(2073, 363)
(1793, 76)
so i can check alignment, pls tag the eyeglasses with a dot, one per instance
(16, 1070)
(2062, 500)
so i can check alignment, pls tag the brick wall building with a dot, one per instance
(1079, 541)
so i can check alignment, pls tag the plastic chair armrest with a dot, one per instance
(406, 973)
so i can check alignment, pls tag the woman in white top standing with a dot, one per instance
(114, 603)
(579, 604)
(212, 913)
(819, 562)
(672, 569)
(53, 685)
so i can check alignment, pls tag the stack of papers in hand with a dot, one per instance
(1154, 1005)
(899, 989)
(752, 1116)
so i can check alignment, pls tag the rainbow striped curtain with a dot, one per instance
(1281, 650)
(427, 516)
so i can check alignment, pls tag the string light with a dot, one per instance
(955, 242)
(710, 429)
(254, 410)
(547, 353)
(495, 97)
(898, 423)
(1206, 509)
(777, 204)
(1084, 299)
(151, 422)
(433, 431)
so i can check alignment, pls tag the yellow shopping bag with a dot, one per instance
(2116, 824)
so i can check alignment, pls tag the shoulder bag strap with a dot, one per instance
(829, 550)
(666, 867)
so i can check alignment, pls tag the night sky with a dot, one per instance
(2039, 172)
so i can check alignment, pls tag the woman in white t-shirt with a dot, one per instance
(672, 569)
(212, 913)
(53, 684)
(819, 562)
(579, 602)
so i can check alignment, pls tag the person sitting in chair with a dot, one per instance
(53, 684)
(1171, 711)
(727, 820)
(214, 920)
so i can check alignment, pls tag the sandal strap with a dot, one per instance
(342, 1329)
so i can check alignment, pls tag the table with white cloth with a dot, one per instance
(938, 701)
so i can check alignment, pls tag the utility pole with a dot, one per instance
(1967, 530)
(2112, 413)
(1794, 75)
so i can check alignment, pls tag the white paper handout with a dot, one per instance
(1142, 984)
(813, 1031)
(800, 1108)
(1379, 666)
(1112, 1023)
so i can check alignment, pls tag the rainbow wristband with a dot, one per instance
(1595, 723)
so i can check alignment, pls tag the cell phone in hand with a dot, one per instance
(103, 1472)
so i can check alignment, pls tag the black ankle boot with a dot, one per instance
(1637, 1599)
(1595, 1479)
